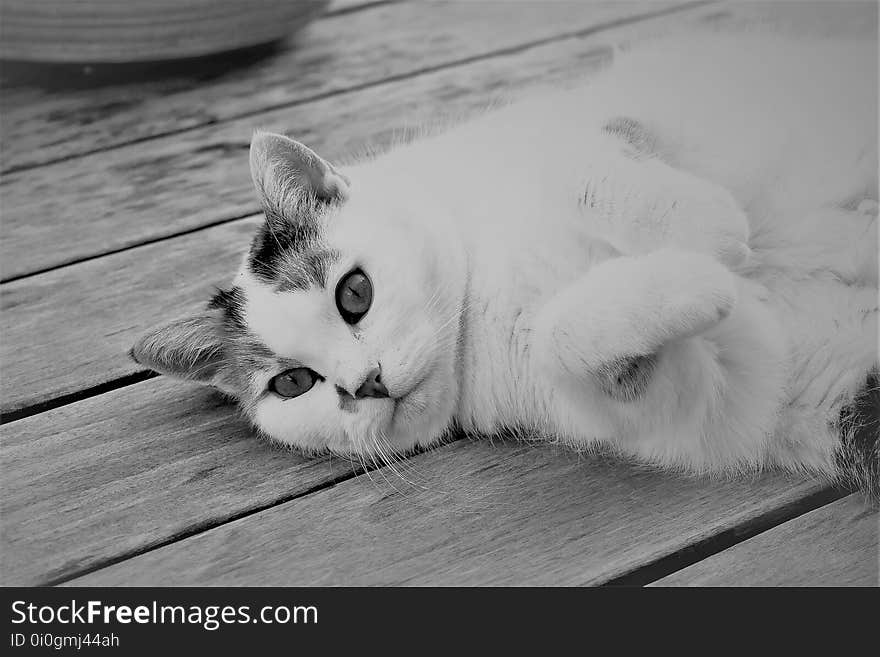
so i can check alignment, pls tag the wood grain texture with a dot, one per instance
(44, 122)
(835, 545)
(130, 469)
(478, 515)
(86, 316)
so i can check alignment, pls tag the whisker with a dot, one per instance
(360, 454)
(401, 464)
(380, 469)
(386, 458)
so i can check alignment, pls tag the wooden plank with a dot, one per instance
(130, 469)
(59, 213)
(481, 515)
(44, 124)
(835, 545)
(110, 200)
(86, 316)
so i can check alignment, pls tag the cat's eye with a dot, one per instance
(354, 294)
(293, 383)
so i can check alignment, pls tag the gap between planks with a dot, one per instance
(727, 539)
(78, 395)
(834, 545)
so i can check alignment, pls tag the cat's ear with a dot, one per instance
(189, 348)
(281, 166)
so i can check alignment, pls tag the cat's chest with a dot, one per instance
(516, 267)
(530, 246)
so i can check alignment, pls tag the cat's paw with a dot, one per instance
(626, 379)
(697, 293)
(709, 220)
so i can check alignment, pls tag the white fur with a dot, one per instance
(514, 254)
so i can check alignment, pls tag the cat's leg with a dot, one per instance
(669, 356)
(639, 203)
(630, 306)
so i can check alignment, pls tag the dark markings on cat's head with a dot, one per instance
(239, 352)
(626, 379)
(858, 456)
(235, 335)
(291, 254)
(231, 304)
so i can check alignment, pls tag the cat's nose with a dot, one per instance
(372, 385)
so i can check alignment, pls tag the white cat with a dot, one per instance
(677, 259)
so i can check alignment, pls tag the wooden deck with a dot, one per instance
(125, 196)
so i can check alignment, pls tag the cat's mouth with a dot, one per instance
(400, 407)
(409, 403)
(381, 411)
(391, 415)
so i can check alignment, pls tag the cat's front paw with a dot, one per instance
(709, 220)
(695, 291)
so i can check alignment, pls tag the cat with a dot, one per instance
(676, 259)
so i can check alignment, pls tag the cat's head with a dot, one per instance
(341, 330)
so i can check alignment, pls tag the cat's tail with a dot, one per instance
(858, 456)
(821, 268)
